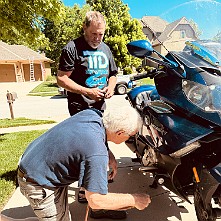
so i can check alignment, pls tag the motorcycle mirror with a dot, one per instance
(140, 48)
(143, 48)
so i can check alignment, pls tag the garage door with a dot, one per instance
(7, 73)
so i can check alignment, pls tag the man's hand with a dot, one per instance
(96, 94)
(141, 201)
(113, 165)
(109, 92)
(111, 86)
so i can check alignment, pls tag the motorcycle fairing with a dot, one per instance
(216, 172)
(180, 132)
(159, 107)
(132, 94)
(174, 95)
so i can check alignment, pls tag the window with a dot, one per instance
(182, 33)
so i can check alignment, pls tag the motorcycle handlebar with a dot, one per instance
(150, 74)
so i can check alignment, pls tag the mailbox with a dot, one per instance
(11, 96)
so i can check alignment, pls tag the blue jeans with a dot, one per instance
(50, 205)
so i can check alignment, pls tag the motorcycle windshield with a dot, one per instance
(192, 61)
(214, 48)
(204, 50)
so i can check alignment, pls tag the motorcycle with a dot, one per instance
(180, 139)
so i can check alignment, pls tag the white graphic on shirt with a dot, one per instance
(98, 65)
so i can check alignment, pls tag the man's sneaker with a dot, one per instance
(111, 214)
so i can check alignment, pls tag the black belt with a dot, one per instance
(23, 175)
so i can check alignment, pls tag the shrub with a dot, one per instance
(127, 70)
(140, 69)
(51, 78)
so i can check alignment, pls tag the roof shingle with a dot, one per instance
(156, 23)
(19, 53)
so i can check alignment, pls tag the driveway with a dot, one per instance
(165, 205)
(51, 108)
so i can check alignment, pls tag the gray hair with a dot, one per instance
(122, 118)
(94, 16)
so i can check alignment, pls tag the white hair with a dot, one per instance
(122, 118)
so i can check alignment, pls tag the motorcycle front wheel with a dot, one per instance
(202, 213)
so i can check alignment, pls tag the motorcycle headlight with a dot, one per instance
(208, 98)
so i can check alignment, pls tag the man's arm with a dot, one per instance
(112, 165)
(117, 201)
(64, 81)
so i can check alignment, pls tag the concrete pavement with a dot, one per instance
(165, 205)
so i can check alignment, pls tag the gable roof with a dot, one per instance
(19, 53)
(155, 23)
(170, 28)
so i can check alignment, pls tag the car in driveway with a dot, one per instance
(124, 82)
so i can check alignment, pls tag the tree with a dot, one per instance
(121, 29)
(67, 28)
(195, 27)
(21, 22)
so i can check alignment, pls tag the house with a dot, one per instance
(19, 63)
(167, 36)
(153, 27)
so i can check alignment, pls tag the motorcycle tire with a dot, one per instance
(202, 213)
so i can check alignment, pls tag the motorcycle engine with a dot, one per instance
(149, 157)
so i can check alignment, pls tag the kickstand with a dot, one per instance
(87, 212)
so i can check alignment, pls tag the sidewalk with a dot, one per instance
(26, 128)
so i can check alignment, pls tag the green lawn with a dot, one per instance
(47, 88)
(146, 81)
(4, 123)
(11, 147)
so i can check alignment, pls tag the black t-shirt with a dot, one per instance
(90, 67)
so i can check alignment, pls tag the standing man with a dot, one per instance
(87, 69)
(75, 149)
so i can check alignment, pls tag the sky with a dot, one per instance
(206, 13)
